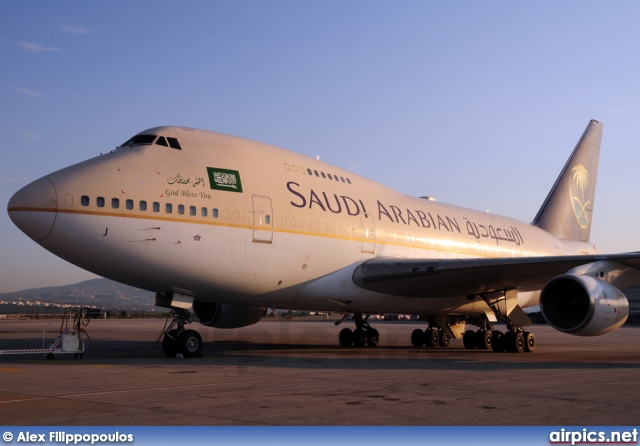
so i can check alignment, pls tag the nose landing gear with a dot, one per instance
(177, 340)
(187, 343)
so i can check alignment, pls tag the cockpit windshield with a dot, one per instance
(139, 140)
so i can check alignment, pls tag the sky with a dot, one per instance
(478, 104)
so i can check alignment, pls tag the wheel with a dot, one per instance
(169, 343)
(529, 342)
(345, 337)
(431, 338)
(444, 339)
(359, 337)
(497, 341)
(189, 344)
(373, 337)
(469, 339)
(483, 339)
(514, 342)
(417, 338)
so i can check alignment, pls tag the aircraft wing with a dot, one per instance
(469, 277)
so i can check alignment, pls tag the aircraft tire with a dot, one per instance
(417, 338)
(432, 338)
(359, 337)
(469, 339)
(345, 337)
(189, 344)
(169, 345)
(373, 337)
(483, 339)
(514, 342)
(529, 342)
(444, 339)
(497, 341)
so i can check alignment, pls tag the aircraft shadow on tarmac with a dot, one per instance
(327, 356)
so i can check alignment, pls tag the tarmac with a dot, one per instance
(293, 372)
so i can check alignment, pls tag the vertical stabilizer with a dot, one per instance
(567, 211)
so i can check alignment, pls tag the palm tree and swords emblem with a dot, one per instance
(582, 205)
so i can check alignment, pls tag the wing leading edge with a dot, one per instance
(470, 277)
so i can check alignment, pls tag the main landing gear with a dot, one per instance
(505, 308)
(177, 340)
(363, 335)
(487, 338)
(432, 337)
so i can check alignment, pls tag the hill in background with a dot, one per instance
(96, 293)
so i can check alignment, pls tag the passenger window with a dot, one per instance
(316, 172)
(267, 219)
(348, 181)
(329, 176)
(309, 171)
(168, 208)
(143, 205)
(180, 209)
(323, 175)
(100, 202)
(214, 213)
(115, 203)
(129, 204)
(173, 143)
(192, 210)
(203, 212)
(342, 179)
(84, 200)
(162, 142)
(156, 206)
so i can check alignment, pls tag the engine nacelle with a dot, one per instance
(226, 315)
(583, 305)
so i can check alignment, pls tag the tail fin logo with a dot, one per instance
(581, 204)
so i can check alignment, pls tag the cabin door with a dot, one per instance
(262, 219)
(368, 229)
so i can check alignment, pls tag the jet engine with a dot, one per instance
(226, 315)
(583, 305)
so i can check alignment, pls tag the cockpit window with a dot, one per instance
(139, 140)
(174, 144)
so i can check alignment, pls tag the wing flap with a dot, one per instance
(470, 277)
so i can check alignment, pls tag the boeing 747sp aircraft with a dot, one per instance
(222, 228)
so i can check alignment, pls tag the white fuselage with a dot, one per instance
(150, 216)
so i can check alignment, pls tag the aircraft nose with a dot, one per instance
(33, 208)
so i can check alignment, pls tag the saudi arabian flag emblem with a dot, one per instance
(224, 179)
